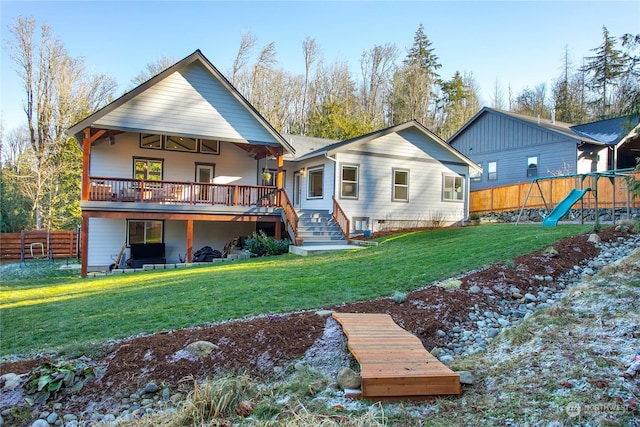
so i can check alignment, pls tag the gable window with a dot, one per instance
(349, 182)
(315, 178)
(148, 140)
(453, 188)
(143, 231)
(147, 169)
(492, 171)
(532, 166)
(209, 146)
(400, 185)
(475, 175)
(179, 143)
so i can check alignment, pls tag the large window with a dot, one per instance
(532, 166)
(147, 169)
(453, 188)
(349, 182)
(492, 171)
(400, 185)
(141, 231)
(315, 179)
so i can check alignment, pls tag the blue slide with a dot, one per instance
(563, 207)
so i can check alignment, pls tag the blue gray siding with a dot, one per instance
(509, 142)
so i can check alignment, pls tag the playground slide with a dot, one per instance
(563, 207)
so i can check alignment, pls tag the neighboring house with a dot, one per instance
(177, 164)
(513, 148)
(398, 177)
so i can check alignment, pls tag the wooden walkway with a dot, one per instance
(393, 362)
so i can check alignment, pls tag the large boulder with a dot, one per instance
(201, 348)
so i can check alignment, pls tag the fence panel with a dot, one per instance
(38, 244)
(611, 191)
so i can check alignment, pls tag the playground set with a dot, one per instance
(584, 185)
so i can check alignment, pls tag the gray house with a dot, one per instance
(513, 148)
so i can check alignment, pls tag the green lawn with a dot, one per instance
(42, 309)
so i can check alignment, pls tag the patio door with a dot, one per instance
(297, 189)
(205, 173)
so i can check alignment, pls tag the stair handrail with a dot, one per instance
(290, 216)
(341, 218)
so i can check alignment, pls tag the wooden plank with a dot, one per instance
(393, 362)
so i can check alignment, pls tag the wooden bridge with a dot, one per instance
(393, 363)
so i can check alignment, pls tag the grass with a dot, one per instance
(44, 309)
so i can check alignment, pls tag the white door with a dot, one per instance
(297, 189)
(204, 174)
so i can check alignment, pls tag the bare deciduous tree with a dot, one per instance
(247, 42)
(153, 68)
(58, 92)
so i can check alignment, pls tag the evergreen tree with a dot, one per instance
(460, 102)
(604, 70)
(412, 92)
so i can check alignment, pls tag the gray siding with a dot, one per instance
(377, 160)
(190, 102)
(509, 142)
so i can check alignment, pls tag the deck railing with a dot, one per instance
(180, 192)
(290, 216)
(341, 218)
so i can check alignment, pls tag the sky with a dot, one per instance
(519, 44)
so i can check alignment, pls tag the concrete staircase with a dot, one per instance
(318, 227)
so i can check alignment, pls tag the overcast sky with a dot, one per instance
(517, 43)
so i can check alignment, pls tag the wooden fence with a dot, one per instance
(611, 191)
(38, 244)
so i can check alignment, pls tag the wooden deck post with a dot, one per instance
(279, 177)
(189, 255)
(84, 245)
(86, 157)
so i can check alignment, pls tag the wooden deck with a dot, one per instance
(393, 362)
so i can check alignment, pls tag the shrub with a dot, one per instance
(260, 244)
(399, 297)
(50, 379)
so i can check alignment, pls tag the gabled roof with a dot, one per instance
(560, 128)
(609, 131)
(196, 56)
(342, 145)
(305, 144)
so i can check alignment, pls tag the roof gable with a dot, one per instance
(191, 98)
(559, 129)
(419, 136)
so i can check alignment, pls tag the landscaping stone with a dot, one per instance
(40, 423)
(466, 378)
(348, 379)
(151, 388)
(201, 348)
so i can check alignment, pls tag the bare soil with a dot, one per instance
(257, 345)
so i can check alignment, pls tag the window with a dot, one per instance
(532, 167)
(453, 188)
(147, 169)
(150, 141)
(476, 176)
(492, 171)
(140, 231)
(209, 146)
(316, 176)
(349, 182)
(400, 185)
(179, 143)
